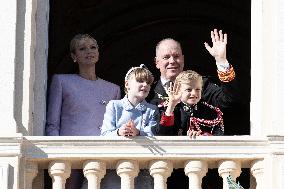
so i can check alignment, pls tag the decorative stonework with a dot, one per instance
(59, 171)
(229, 168)
(160, 170)
(94, 171)
(4, 175)
(257, 170)
(30, 173)
(195, 170)
(127, 170)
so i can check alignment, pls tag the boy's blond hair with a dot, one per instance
(187, 76)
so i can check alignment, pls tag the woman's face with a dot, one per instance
(86, 52)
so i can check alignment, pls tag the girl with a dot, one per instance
(132, 115)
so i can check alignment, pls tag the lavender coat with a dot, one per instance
(76, 105)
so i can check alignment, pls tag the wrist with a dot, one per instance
(223, 66)
(221, 60)
(168, 113)
(170, 108)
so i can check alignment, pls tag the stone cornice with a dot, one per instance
(176, 149)
(10, 146)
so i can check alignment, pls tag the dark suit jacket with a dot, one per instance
(182, 116)
(222, 96)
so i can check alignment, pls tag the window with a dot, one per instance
(128, 32)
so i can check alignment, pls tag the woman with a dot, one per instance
(77, 102)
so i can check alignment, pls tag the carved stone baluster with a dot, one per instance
(195, 170)
(257, 170)
(127, 170)
(59, 172)
(160, 170)
(94, 171)
(31, 171)
(229, 167)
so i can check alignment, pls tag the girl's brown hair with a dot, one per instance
(141, 74)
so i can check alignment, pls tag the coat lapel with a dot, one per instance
(160, 89)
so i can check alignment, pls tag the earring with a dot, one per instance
(74, 60)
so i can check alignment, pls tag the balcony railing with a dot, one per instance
(160, 155)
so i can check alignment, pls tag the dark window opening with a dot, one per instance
(127, 33)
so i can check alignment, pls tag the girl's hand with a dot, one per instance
(133, 131)
(125, 129)
(128, 129)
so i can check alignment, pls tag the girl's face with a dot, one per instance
(86, 52)
(191, 92)
(137, 89)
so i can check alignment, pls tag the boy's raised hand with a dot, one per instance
(174, 95)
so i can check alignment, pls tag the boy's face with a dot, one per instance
(191, 92)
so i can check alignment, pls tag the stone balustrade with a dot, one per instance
(159, 155)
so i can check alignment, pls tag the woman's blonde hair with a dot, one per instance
(74, 41)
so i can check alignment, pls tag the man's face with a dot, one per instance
(169, 59)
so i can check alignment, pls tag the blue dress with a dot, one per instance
(119, 112)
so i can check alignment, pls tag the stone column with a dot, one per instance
(229, 167)
(31, 171)
(160, 170)
(94, 171)
(195, 170)
(59, 172)
(8, 107)
(257, 170)
(127, 170)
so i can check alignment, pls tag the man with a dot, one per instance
(170, 61)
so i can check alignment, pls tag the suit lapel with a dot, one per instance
(160, 89)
